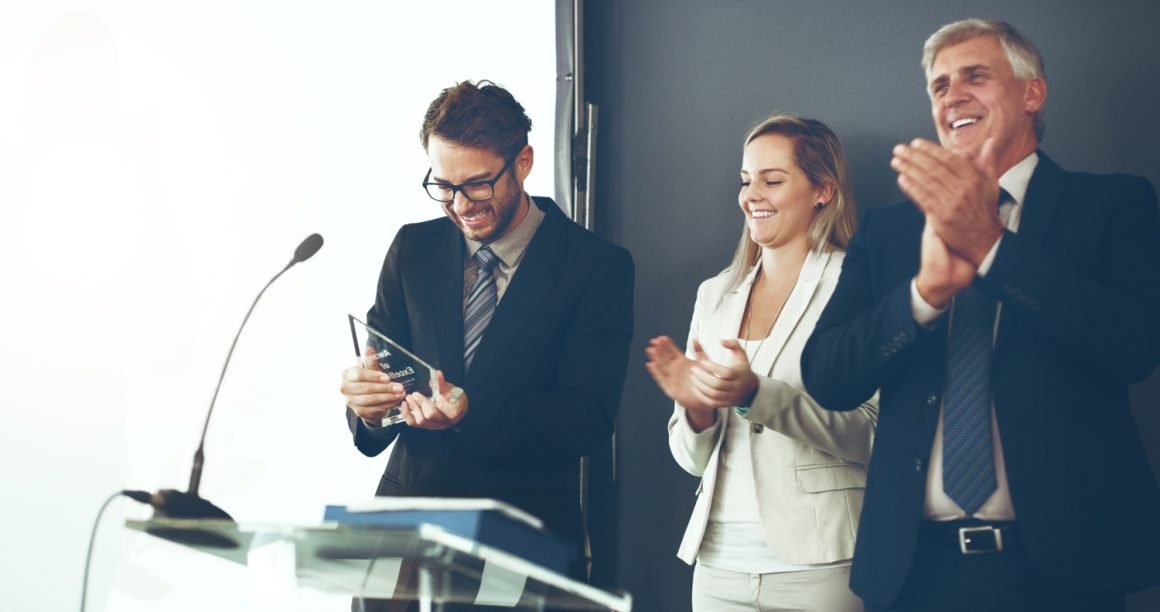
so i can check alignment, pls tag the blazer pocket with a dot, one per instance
(830, 477)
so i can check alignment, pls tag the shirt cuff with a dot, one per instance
(990, 258)
(375, 429)
(924, 314)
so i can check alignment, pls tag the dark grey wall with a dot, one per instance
(679, 82)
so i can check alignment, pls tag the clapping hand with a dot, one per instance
(957, 195)
(699, 384)
(672, 371)
(720, 385)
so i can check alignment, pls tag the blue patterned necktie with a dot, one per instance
(968, 457)
(480, 304)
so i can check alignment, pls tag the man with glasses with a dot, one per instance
(528, 313)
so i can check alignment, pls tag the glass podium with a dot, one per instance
(422, 563)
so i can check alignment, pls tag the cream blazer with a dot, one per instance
(809, 464)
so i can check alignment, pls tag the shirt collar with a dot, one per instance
(511, 246)
(1016, 179)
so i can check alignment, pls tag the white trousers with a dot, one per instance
(821, 590)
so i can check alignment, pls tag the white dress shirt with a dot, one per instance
(998, 507)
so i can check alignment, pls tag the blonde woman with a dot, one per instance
(781, 477)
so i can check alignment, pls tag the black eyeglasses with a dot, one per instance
(476, 191)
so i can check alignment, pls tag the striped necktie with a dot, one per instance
(968, 456)
(481, 303)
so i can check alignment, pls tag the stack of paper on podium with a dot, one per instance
(487, 521)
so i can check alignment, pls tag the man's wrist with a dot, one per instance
(924, 313)
(977, 255)
(930, 296)
(372, 424)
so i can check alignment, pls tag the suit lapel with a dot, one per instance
(791, 314)
(1042, 199)
(1040, 206)
(534, 280)
(729, 317)
(442, 295)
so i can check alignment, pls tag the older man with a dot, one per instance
(1003, 311)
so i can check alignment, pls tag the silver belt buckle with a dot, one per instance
(965, 539)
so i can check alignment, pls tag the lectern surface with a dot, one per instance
(420, 563)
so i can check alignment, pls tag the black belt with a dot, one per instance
(972, 537)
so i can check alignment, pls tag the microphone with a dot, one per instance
(171, 503)
(306, 250)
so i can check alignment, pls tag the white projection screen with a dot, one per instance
(159, 162)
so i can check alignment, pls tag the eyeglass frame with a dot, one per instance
(459, 188)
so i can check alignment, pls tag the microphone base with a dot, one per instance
(171, 503)
(175, 504)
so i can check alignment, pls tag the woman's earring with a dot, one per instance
(818, 207)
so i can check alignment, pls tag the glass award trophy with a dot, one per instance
(378, 352)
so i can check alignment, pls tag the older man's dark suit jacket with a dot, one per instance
(1080, 291)
(545, 381)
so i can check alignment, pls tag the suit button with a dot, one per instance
(932, 401)
(756, 427)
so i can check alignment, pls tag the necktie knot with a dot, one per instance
(485, 260)
(1004, 197)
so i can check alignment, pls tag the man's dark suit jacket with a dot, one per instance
(1080, 291)
(545, 381)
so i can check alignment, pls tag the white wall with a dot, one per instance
(159, 161)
